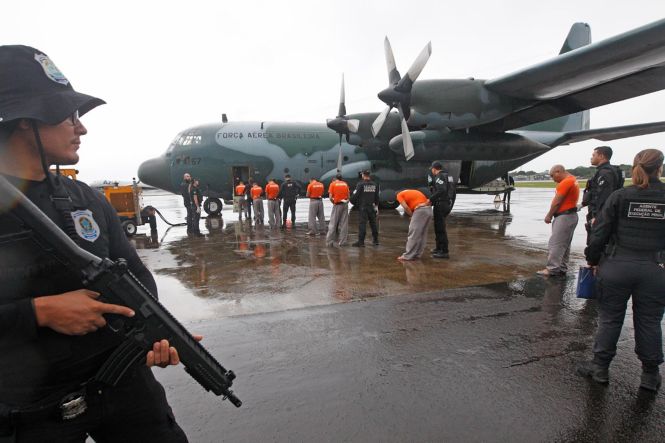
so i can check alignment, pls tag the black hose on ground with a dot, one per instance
(166, 221)
(169, 223)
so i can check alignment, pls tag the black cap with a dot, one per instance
(32, 87)
(436, 165)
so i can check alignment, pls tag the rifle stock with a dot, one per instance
(116, 284)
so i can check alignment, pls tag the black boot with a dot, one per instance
(651, 379)
(590, 369)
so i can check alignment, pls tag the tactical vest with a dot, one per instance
(366, 193)
(590, 195)
(641, 218)
(32, 367)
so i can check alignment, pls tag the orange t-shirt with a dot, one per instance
(256, 191)
(568, 188)
(338, 191)
(240, 190)
(412, 198)
(315, 189)
(272, 190)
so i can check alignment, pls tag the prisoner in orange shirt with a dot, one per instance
(257, 201)
(338, 226)
(274, 213)
(315, 192)
(417, 206)
(563, 216)
(240, 198)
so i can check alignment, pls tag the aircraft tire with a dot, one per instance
(212, 206)
(129, 227)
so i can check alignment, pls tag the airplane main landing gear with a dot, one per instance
(212, 206)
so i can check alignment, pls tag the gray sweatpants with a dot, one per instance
(316, 211)
(338, 226)
(274, 214)
(258, 210)
(417, 239)
(563, 228)
(241, 206)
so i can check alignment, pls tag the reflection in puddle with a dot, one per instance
(238, 268)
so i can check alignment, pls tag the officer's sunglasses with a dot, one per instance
(74, 118)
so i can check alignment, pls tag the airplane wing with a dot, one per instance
(606, 134)
(625, 66)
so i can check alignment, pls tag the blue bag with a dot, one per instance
(586, 282)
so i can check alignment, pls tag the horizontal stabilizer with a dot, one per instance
(613, 133)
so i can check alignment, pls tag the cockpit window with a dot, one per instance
(190, 139)
(184, 140)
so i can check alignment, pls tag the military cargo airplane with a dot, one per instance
(480, 129)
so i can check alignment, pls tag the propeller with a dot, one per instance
(342, 125)
(398, 93)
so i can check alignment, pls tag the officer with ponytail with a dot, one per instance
(627, 245)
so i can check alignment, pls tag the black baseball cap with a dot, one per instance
(32, 87)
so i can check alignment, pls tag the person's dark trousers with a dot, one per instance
(135, 410)
(190, 217)
(620, 277)
(440, 211)
(196, 217)
(289, 204)
(587, 227)
(367, 214)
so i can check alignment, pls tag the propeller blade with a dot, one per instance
(353, 125)
(339, 155)
(420, 62)
(393, 74)
(406, 137)
(380, 120)
(342, 101)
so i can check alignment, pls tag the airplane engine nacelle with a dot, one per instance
(458, 145)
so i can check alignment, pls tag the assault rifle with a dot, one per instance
(116, 284)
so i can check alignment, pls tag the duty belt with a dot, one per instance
(57, 406)
(567, 211)
(638, 254)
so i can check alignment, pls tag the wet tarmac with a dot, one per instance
(468, 349)
(240, 269)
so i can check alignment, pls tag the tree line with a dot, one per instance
(580, 171)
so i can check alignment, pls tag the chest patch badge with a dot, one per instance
(86, 226)
(650, 211)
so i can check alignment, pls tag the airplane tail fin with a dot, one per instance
(579, 35)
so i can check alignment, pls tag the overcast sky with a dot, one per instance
(164, 66)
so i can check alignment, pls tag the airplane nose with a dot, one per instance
(156, 172)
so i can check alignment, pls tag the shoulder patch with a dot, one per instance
(86, 226)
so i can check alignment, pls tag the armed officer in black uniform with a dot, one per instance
(366, 197)
(52, 334)
(289, 192)
(185, 191)
(628, 245)
(442, 196)
(607, 179)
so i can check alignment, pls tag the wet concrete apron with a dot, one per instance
(347, 344)
(490, 363)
